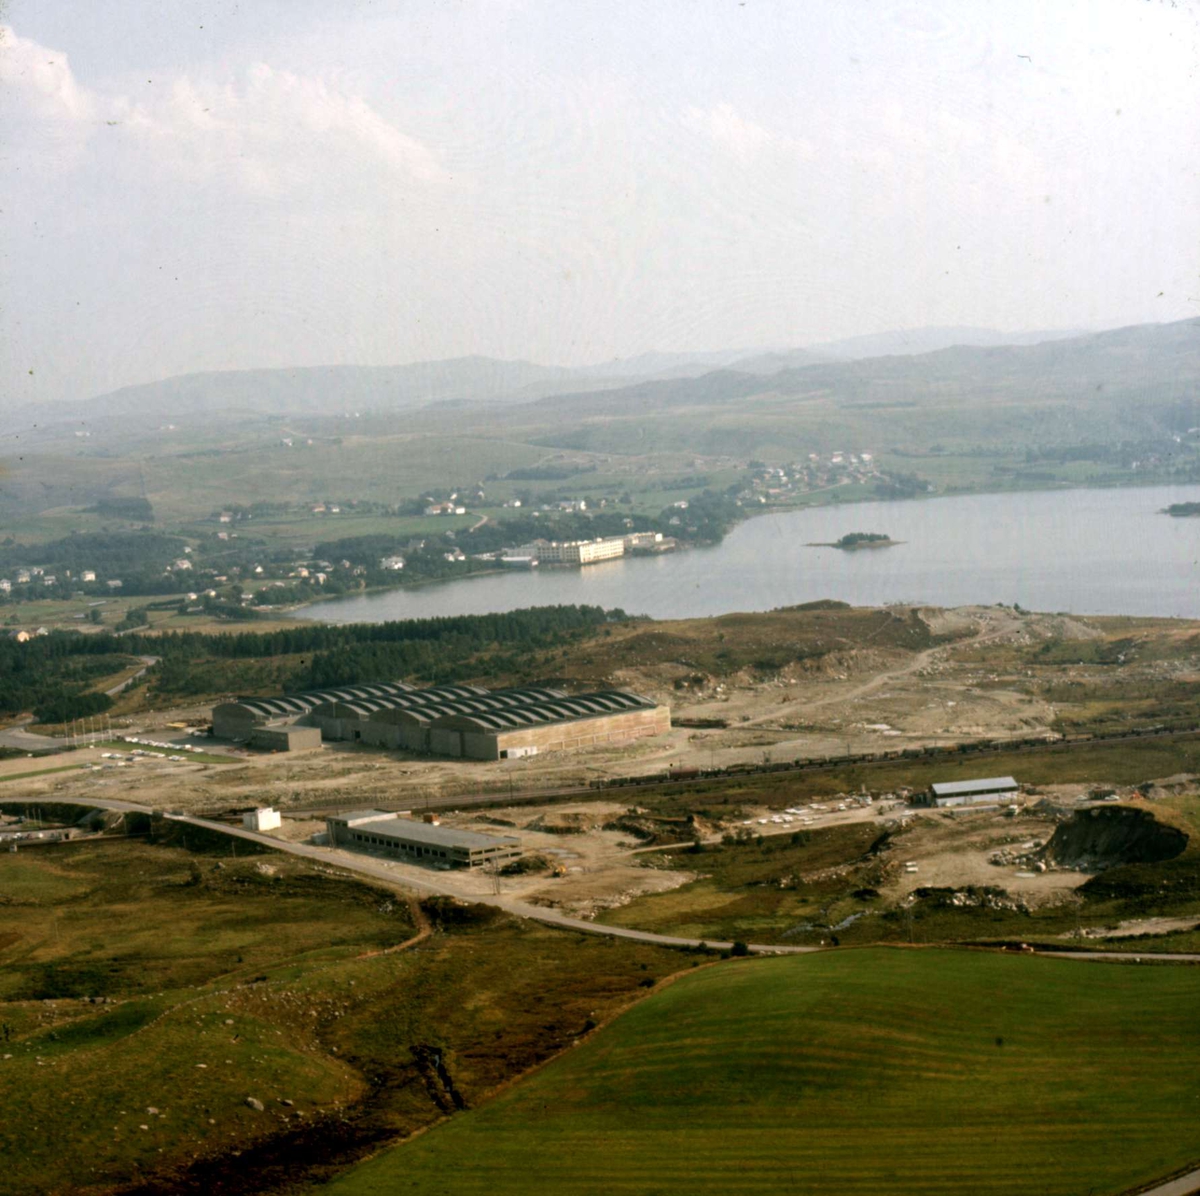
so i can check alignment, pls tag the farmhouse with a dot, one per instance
(418, 842)
(989, 790)
(464, 721)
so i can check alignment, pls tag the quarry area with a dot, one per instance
(820, 681)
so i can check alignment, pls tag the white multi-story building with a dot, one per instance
(575, 552)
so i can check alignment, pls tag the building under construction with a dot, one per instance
(419, 842)
(446, 720)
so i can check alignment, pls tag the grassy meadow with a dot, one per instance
(862, 1072)
(147, 992)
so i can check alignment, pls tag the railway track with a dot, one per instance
(677, 779)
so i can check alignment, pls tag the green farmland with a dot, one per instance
(864, 1072)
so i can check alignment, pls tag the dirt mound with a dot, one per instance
(564, 822)
(526, 865)
(1097, 839)
(1064, 627)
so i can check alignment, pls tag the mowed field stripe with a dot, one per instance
(923, 1071)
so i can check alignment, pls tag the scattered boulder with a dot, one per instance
(255, 1104)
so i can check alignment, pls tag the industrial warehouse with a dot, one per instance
(463, 721)
(419, 842)
(987, 790)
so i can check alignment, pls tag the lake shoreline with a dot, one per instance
(1050, 549)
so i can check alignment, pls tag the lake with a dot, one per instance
(1087, 551)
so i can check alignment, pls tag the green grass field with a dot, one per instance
(860, 1072)
(223, 979)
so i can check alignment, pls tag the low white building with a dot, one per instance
(264, 819)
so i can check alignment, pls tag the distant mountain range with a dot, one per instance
(329, 389)
(912, 341)
(1146, 363)
(965, 357)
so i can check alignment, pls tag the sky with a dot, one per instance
(214, 184)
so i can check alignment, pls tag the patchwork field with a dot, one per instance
(859, 1072)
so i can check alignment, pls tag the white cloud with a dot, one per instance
(267, 130)
(39, 83)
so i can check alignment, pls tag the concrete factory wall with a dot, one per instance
(286, 739)
(587, 732)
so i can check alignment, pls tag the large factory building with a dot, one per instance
(451, 720)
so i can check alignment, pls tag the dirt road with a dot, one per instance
(438, 884)
(1008, 624)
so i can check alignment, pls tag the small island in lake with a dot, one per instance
(855, 540)
(1182, 509)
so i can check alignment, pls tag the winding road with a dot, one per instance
(440, 885)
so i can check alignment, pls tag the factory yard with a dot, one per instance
(590, 858)
(741, 690)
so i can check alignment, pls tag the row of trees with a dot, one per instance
(64, 664)
(51, 677)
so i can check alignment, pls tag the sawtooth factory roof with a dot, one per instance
(444, 699)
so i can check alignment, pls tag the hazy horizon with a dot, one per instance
(290, 186)
(697, 355)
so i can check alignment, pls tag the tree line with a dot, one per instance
(63, 664)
